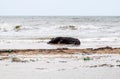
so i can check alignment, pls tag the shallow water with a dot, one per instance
(36, 31)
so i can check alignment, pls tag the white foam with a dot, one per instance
(87, 29)
(6, 27)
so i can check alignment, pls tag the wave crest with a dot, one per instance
(10, 27)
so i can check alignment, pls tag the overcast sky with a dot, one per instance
(60, 7)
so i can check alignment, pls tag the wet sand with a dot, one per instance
(102, 50)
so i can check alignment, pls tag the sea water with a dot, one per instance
(35, 31)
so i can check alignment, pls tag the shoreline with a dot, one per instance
(101, 50)
(60, 63)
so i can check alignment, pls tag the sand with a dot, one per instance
(61, 63)
(102, 50)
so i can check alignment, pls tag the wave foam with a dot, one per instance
(6, 27)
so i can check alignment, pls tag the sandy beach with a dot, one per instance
(61, 63)
(26, 54)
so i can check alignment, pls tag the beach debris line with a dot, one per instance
(103, 48)
(7, 51)
(4, 58)
(16, 59)
(102, 65)
(64, 40)
(62, 48)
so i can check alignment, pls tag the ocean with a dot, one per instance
(33, 32)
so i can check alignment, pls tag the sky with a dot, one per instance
(60, 7)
